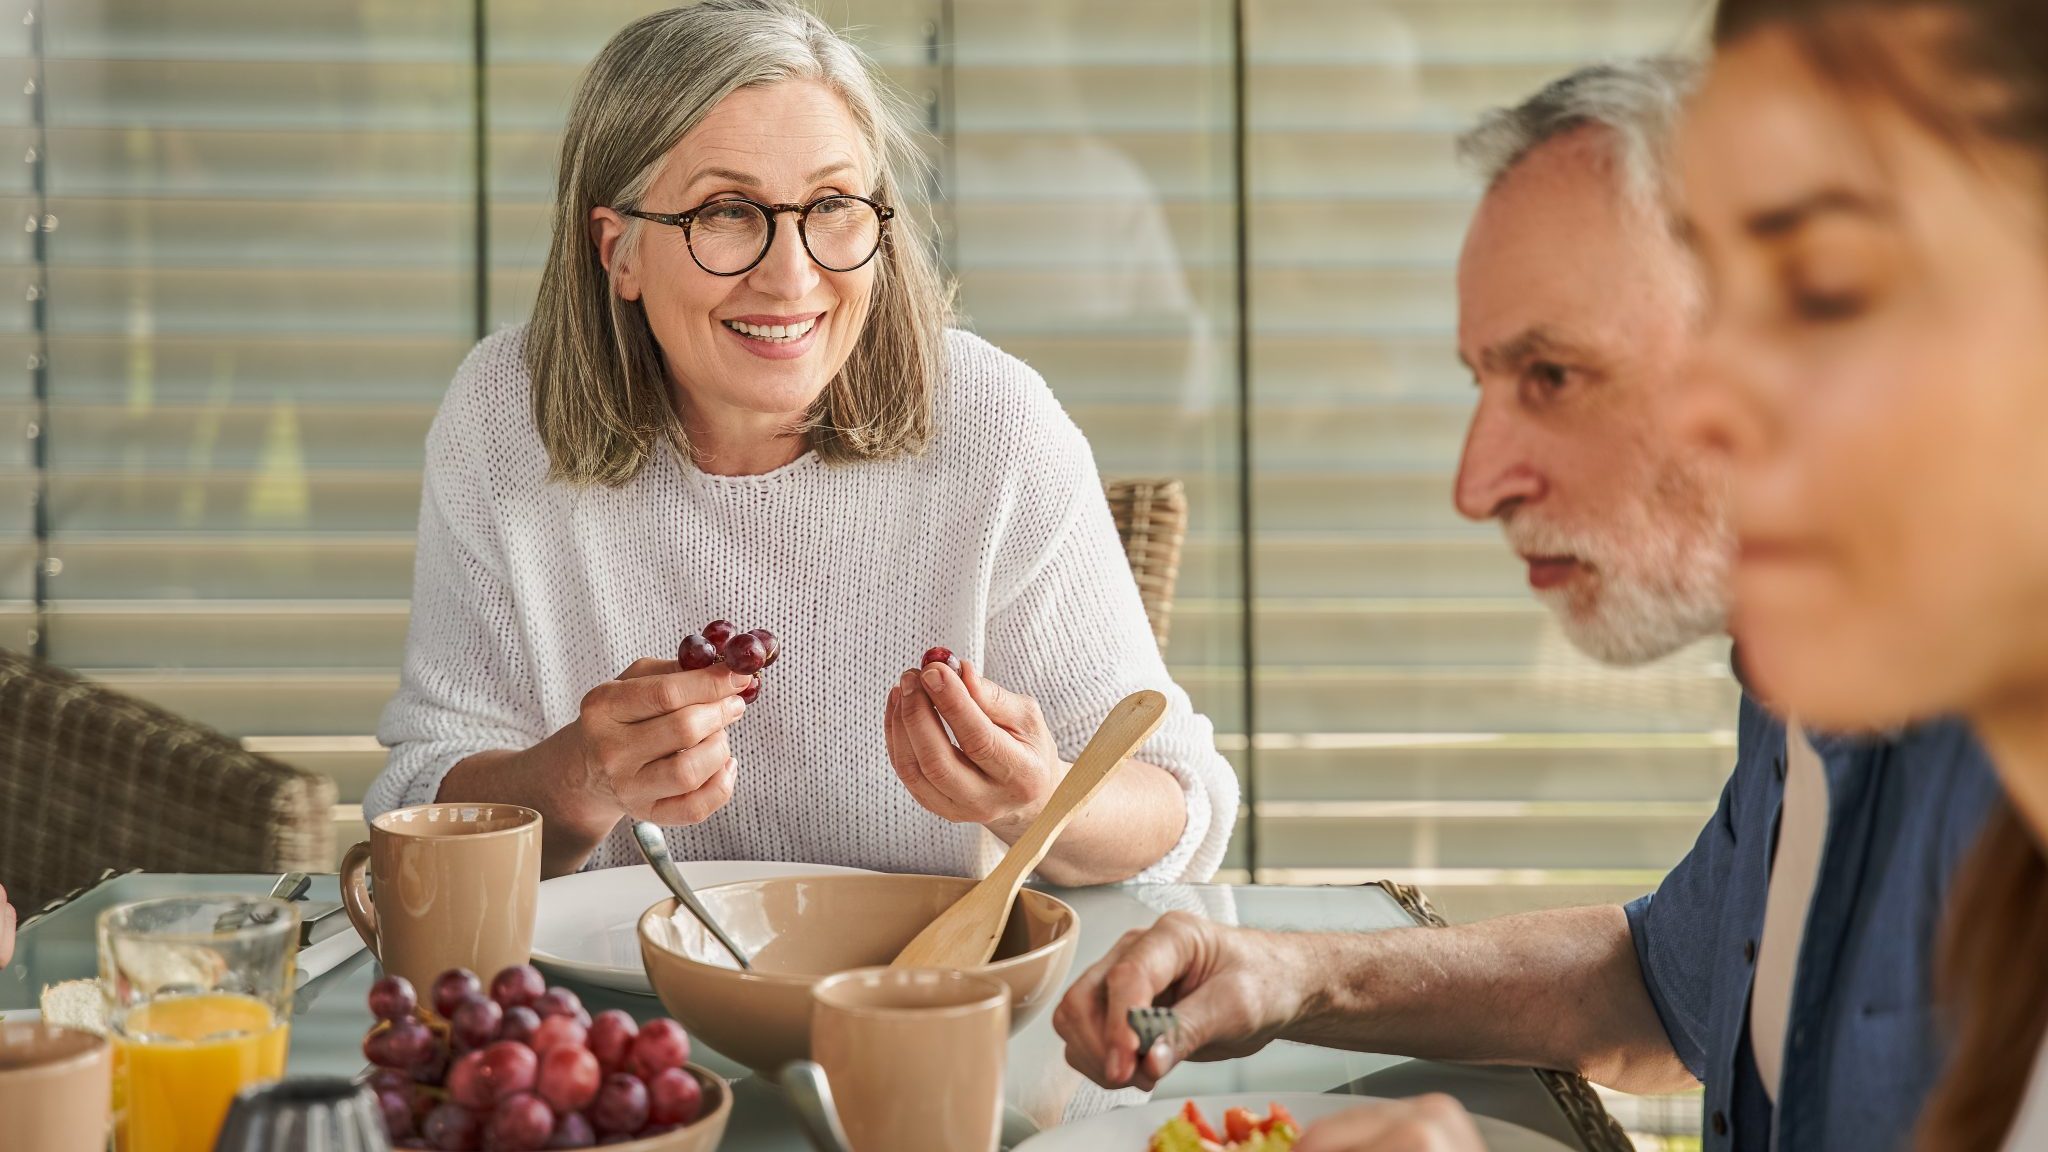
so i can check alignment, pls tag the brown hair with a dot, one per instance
(1975, 73)
(601, 397)
(1994, 981)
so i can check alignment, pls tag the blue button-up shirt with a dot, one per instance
(1862, 1046)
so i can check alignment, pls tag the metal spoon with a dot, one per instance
(654, 847)
(805, 1083)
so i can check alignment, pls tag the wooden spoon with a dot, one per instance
(965, 935)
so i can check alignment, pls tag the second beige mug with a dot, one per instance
(55, 1088)
(914, 1057)
(450, 886)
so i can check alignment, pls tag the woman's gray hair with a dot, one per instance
(601, 395)
(1637, 101)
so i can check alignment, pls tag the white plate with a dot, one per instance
(587, 925)
(1130, 1129)
(20, 1015)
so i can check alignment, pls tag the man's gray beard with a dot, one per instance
(1670, 593)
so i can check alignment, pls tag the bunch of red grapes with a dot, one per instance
(522, 1068)
(744, 652)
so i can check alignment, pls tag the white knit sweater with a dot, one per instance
(995, 542)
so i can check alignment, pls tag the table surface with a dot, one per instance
(331, 1016)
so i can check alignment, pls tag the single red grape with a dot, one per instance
(569, 1078)
(661, 1045)
(520, 1024)
(572, 1130)
(521, 1123)
(561, 1002)
(751, 691)
(769, 644)
(621, 1105)
(476, 1023)
(389, 1080)
(674, 1097)
(941, 656)
(518, 986)
(401, 1044)
(466, 1083)
(745, 654)
(451, 988)
(508, 1068)
(611, 1039)
(453, 1128)
(696, 652)
(718, 632)
(555, 1031)
(392, 998)
(395, 1108)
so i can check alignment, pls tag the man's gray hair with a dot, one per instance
(1637, 101)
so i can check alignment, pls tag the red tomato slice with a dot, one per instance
(1239, 1124)
(1201, 1123)
(1280, 1115)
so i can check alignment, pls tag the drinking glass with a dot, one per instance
(198, 995)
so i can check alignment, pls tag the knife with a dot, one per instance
(291, 886)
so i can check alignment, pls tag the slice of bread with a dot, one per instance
(76, 1004)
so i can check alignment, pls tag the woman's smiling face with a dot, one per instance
(1876, 370)
(786, 143)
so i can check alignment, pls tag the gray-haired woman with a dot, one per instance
(739, 399)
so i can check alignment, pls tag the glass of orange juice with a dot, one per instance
(199, 995)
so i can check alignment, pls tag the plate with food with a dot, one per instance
(1250, 1122)
(587, 925)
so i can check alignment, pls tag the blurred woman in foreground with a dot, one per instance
(1866, 182)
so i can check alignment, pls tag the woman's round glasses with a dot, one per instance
(730, 235)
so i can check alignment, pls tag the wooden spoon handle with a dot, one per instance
(965, 935)
(1128, 725)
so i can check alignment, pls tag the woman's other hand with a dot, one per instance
(7, 923)
(1434, 1123)
(970, 750)
(651, 745)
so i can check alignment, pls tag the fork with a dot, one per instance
(1152, 1023)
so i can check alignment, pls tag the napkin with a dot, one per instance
(320, 958)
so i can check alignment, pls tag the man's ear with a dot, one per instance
(607, 228)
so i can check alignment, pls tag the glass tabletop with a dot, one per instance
(331, 1017)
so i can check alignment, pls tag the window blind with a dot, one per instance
(279, 227)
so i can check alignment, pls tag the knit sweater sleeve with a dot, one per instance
(466, 686)
(1067, 626)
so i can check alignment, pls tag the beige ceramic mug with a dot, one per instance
(451, 886)
(914, 1057)
(56, 1086)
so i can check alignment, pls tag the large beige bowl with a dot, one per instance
(800, 929)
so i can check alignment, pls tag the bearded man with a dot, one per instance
(1787, 961)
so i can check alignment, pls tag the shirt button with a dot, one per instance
(1720, 1124)
(1749, 951)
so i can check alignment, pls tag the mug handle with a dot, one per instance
(355, 896)
(811, 1093)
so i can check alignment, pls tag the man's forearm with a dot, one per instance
(1559, 989)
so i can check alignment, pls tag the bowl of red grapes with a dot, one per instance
(517, 1066)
